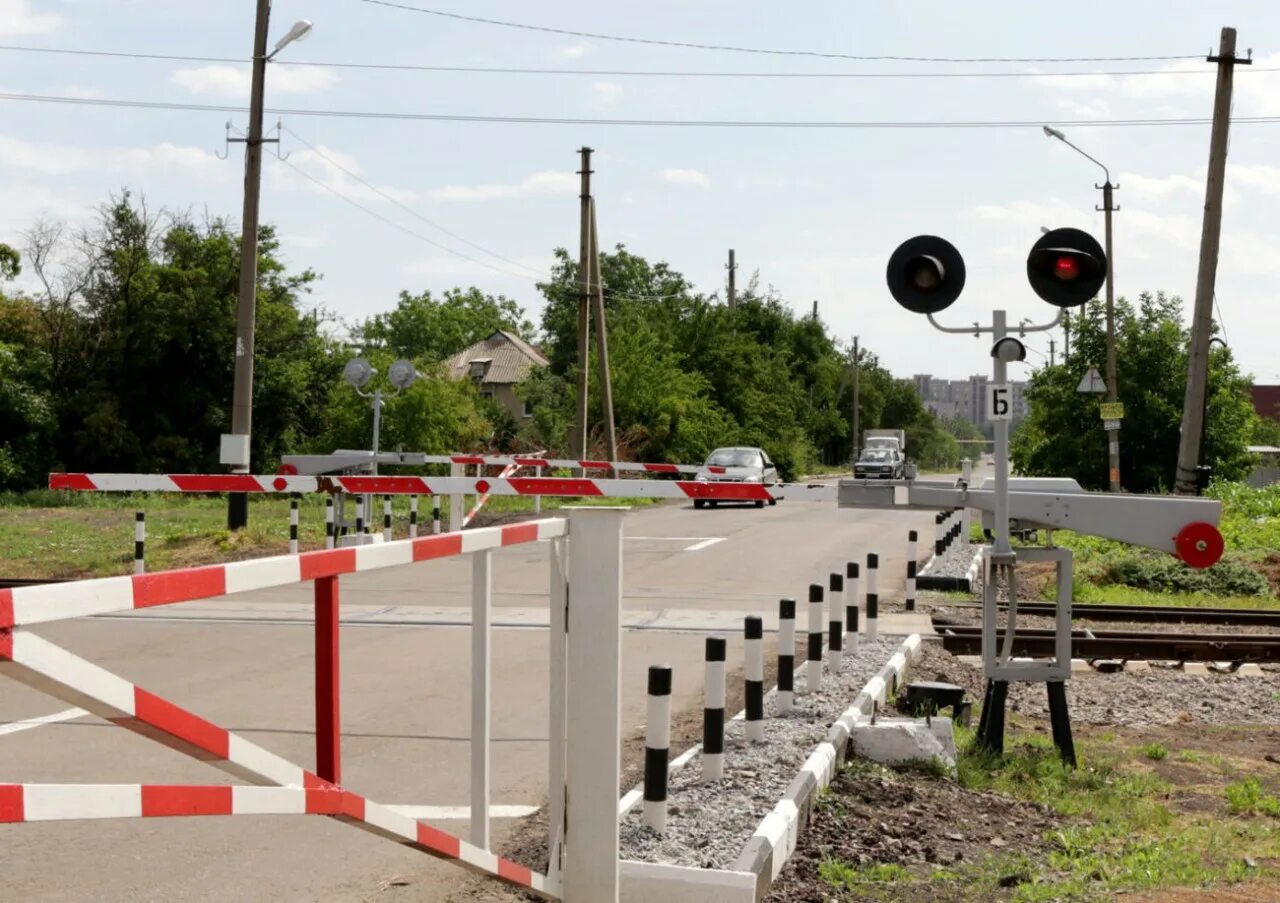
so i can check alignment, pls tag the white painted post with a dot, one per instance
(713, 710)
(435, 514)
(558, 596)
(293, 526)
(386, 518)
(140, 542)
(413, 517)
(456, 500)
(873, 597)
(786, 654)
(753, 652)
(594, 712)
(657, 747)
(815, 638)
(912, 539)
(329, 525)
(851, 608)
(537, 499)
(481, 603)
(835, 621)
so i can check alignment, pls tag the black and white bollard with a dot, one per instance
(851, 610)
(873, 597)
(140, 542)
(293, 526)
(713, 711)
(386, 518)
(913, 540)
(329, 536)
(938, 547)
(815, 637)
(910, 604)
(753, 651)
(657, 743)
(835, 623)
(359, 518)
(786, 654)
(413, 517)
(435, 514)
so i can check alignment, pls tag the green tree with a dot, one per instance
(1063, 435)
(430, 328)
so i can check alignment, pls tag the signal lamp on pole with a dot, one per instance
(925, 274)
(1066, 267)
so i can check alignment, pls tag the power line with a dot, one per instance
(406, 208)
(665, 123)
(811, 53)
(616, 73)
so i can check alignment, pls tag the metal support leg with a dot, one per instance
(1060, 719)
(991, 727)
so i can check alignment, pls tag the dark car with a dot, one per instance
(880, 464)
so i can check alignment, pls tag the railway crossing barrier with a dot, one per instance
(584, 686)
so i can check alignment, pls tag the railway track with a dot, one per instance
(1161, 614)
(966, 639)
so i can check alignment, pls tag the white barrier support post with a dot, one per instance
(873, 597)
(413, 517)
(293, 525)
(140, 542)
(657, 747)
(815, 637)
(835, 636)
(753, 651)
(786, 654)
(558, 596)
(594, 713)
(386, 518)
(435, 514)
(713, 710)
(481, 622)
(537, 499)
(851, 609)
(329, 537)
(456, 499)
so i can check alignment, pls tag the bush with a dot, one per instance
(1163, 573)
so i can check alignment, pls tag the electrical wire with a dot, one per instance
(406, 208)
(676, 123)
(731, 49)
(616, 73)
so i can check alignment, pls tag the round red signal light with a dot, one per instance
(1066, 267)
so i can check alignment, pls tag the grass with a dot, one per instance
(68, 535)
(1122, 830)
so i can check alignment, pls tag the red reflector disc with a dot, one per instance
(1198, 544)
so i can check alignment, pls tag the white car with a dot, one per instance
(738, 464)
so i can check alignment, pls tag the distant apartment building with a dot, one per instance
(964, 398)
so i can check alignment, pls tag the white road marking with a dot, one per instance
(706, 543)
(672, 538)
(18, 727)
(451, 813)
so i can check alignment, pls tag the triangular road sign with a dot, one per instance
(1092, 383)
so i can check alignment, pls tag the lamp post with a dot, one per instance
(357, 373)
(1113, 436)
(235, 447)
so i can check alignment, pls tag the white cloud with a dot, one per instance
(51, 159)
(685, 177)
(540, 183)
(326, 166)
(16, 18)
(233, 81)
(605, 95)
(573, 51)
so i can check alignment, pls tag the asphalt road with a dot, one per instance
(246, 664)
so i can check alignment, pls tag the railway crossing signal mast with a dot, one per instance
(1065, 267)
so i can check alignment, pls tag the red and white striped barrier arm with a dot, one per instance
(712, 490)
(538, 461)
(44, 666)
(59, 601)
(471, 515)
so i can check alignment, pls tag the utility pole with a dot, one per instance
(733, 291)
(602, 341)
(585, 269)
(1113, 436)
(1066, 337)
(1051, 358)
(815, 311)
(246, 305)
(856, 370)
(1210, 235)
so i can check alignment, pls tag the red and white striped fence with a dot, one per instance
(584, 716)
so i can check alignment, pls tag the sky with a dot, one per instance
(814, 211)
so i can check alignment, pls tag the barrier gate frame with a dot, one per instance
(584, 685)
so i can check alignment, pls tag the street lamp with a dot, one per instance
(235, 446)
(358, 373)
(1113, 436)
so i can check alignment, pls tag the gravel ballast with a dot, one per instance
(954, 562)
(709, 824)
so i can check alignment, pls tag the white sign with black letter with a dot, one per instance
(999, 401)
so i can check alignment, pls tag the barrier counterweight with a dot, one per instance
(713, 710)
(753, 652)
(786, 654)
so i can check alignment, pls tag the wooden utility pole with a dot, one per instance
(733, 290)
(856, 368)
(1193, 407)
(815, 311)
(578, 445)
(1051, 358)
(602, 340)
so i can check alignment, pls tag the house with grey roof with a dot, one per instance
(496, 365)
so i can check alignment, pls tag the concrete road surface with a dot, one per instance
(246, 664)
